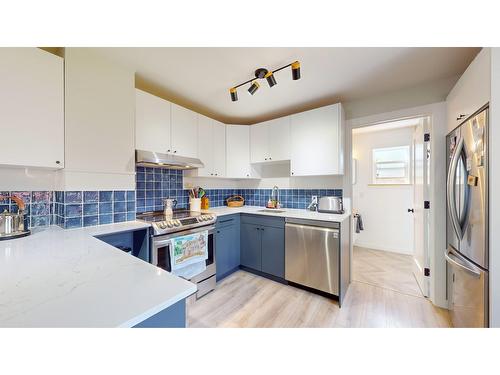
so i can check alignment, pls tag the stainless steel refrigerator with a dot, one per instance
(467, 222)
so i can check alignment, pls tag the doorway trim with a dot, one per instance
(437, 215)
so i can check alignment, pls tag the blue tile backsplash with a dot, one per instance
(39, 206)
(74, 209)
(155, 184)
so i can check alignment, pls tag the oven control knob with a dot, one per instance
(201, 218)
(177, 223)
(204, 218)
(170, 224)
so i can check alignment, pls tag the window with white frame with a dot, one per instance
(391, 165)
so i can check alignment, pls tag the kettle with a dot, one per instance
(12, 224)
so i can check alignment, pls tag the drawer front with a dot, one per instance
(277, 222)
(226, 220)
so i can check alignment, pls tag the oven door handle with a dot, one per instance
(166, 238)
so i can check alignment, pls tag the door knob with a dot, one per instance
(411, 210)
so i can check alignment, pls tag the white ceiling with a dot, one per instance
(199, 78)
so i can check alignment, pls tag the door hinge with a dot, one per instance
(427, 205)
(427, 137)
(427, 272)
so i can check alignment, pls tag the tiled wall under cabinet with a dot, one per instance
(74, 209)
(155, 184)
(39, 206)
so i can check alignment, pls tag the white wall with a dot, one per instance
(494, 202)
(99, 124)
(27, 179)
(437, 111)
(384, 209)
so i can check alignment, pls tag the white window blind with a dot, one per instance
(391, 165)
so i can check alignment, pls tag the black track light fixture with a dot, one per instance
(295, 70)
(254, 87)
(271, 81)
(234, 94)
(262, 73)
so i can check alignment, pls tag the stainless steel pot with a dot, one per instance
(12, 224)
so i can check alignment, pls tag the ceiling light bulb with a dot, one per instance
(254, 87)
(234, 94)
(270, 79)
(296, 70)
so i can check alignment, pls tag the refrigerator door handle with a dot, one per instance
(450, 193)
(459, 264)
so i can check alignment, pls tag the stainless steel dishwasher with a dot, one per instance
(316, 255)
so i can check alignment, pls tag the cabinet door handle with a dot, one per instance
(461, 116)
(168, 150)
(265, 158)
(175, 151)
(58, 162)
(270, 158)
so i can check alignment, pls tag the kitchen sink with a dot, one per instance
(271, 210)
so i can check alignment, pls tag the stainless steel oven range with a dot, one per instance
(182, 222)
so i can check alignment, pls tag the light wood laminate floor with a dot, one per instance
(247, 300)
(385, 269)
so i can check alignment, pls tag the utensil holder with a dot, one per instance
(195, 204)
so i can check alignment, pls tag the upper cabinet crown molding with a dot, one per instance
(32, 108)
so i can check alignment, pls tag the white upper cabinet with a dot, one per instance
(270, 141)
(219, 142)
(205, 146)
(211, 148)
(184, 131)
(152, 123)
(31, 108)
(259, 146)
(279, 139)
(317, 142)
(238, 151)
(472, 91)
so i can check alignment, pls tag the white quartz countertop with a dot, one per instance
(287, 213)
(69, 278)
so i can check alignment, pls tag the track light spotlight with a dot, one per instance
(254, 87)
(234, 94)
(270, 79)
(296, 70)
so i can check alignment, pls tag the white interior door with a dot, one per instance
(421, 163)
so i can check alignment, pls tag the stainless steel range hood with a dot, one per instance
(156, 159)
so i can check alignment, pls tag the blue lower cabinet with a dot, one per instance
(251, 254)
(227, 245)
(135, 242)
(273, 251)
(263, 244)
(172, 317)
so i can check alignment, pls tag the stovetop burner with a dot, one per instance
(181, 219)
